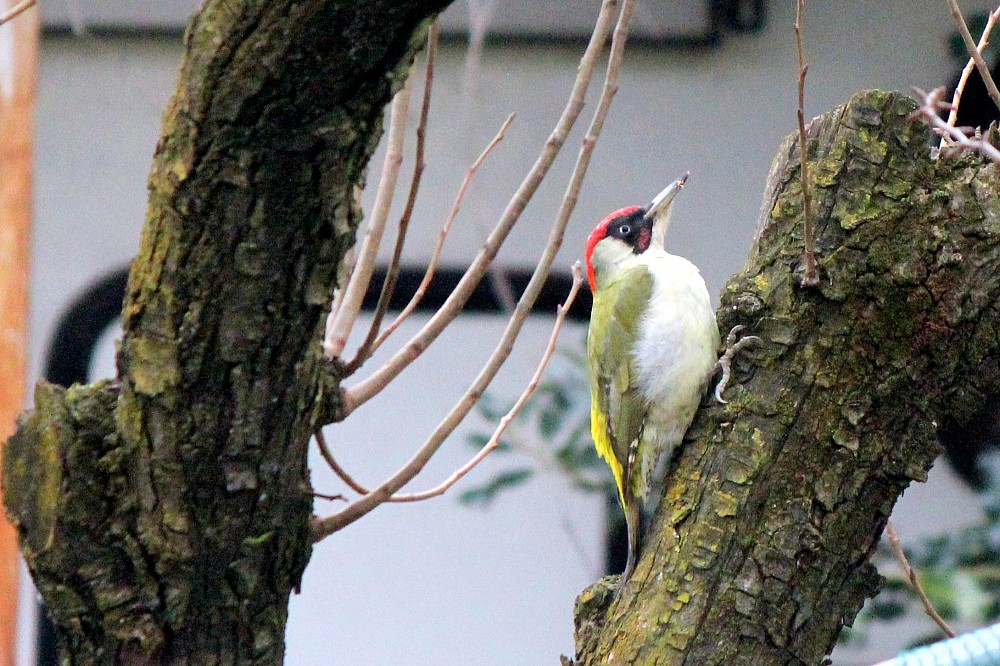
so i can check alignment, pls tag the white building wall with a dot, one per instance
(439, 583)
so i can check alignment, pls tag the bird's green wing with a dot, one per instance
(617, 410)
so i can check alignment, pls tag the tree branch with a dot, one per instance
(911, 576)
(969, 66)
(342, 474)
(432, 265)
(392, 275)
(930, 105)
(350, 305)
(494, 440)
(353, 512)
(810, 278)
(507, 418)
(368, 388)
(970, 45)
(16, 10)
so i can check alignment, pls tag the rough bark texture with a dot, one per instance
(165, 517)
(761, 552)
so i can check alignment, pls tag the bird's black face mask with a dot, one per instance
(634, 229)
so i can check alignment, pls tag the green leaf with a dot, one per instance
(887, 610)
(579, 436)
(591, 486)
(940, 589)
(549, 422)
(493, 408)
(558, 393)
(487, 492)
(895, 583)
(991, 611)
(477, 440)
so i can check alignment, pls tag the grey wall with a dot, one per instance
(439, 583)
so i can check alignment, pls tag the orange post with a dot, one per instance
(18, 73)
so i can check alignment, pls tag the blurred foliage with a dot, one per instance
(958, 569)
(553, 430)
(956, 45)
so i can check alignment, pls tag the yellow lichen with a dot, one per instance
(726, 504)
(153, 365)
(179, 169)
(49, 484)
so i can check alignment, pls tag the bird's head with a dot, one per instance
(630, 231)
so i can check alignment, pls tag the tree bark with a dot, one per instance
(165, 516)
(760, 554)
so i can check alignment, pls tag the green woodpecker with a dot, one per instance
(650, 349)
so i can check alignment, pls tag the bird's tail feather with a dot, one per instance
(633, 523)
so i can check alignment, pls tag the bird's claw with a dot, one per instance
(733, 347)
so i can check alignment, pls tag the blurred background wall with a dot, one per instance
(708, 86)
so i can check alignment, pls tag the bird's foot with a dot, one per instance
(734, 344)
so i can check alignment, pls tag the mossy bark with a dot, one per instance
(760, 553)
(165, 516)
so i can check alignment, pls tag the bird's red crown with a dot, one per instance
(598, 234)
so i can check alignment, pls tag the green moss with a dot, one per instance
(852, 214)
(737, 472)
(869, 140)
(782, 330)
(678, 640)
(846, 438)
(825, 172)
(256, 541)
(761, 284)
(153, 365)
(32, 469)
(725, 505)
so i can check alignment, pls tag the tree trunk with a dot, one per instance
(761, 549)
(165, 516)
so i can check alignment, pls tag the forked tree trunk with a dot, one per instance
(761, 552)
(165, 517)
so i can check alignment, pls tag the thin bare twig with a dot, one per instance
(494, 441)
(930, 104)
(436, 255)
(970, 46)
(324, 450)
(810, 277)
(504, 290)
(339, 329)
(329, 498)
(392, 274)
(912, 576)
(346, 270)
(17, 9)
(984, 40)
(326, 526)
(368, 388)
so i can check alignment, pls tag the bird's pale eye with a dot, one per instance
(625, 230)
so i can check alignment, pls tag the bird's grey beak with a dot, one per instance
(663, 200)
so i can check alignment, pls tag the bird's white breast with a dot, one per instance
(676, 347)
